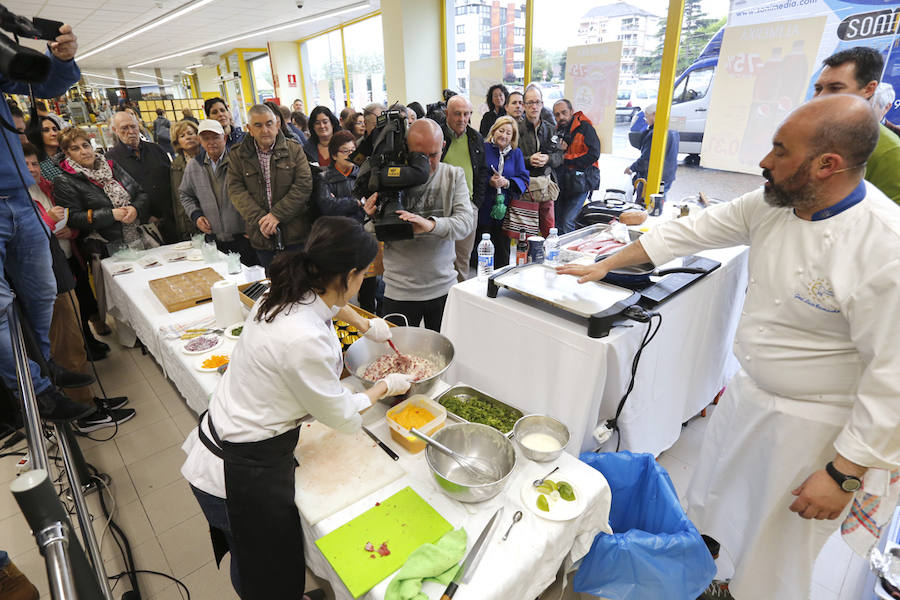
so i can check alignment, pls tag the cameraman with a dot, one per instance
(24, 241)
(418, 273)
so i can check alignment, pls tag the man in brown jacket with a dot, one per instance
(269, 183)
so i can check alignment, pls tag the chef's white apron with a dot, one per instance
(758, 448)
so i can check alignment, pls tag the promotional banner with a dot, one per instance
(872, 23)
(763, 74)
(592, 78)
(482, 74)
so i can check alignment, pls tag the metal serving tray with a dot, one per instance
(464, 392)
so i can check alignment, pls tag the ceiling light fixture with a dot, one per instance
(291, 24)
(118, 78)
(143, 74)
(145, 28)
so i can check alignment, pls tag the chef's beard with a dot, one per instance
(791, 193)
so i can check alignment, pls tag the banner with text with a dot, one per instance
(592, 78)
(872, 23)
(482, 75)
(763, 74)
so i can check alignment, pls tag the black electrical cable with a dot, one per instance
(115, 530)
(177, 581)
(649, 334)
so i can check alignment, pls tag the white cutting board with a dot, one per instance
(337, 469)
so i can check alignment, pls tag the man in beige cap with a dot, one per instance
(204, 194)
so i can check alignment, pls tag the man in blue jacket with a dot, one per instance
(24, 245)
(641, 166)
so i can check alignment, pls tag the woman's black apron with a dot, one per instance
(265, 522)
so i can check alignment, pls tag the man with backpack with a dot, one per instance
(162, 132)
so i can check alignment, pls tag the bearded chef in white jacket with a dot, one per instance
(818, 343)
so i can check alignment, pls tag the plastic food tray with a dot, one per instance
(402, 436)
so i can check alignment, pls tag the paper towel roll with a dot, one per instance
(226, 303)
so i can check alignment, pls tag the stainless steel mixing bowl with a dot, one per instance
(476, 440)
(540, 424)
(416, 341)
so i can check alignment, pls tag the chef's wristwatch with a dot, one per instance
(848, 483)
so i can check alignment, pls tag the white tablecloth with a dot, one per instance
(131, 301)
(521, 567)
(523, 352)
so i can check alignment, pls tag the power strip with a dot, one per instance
(23, 465)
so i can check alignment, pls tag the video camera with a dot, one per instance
(391, 170)
(21, 63)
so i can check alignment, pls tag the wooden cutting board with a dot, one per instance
(403, 522)
(337, 469)
(185, 290)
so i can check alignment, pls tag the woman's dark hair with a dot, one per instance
(210, 102)
(348, 120)
(336, 246)
(416, 108)
(337, 140)
(300, 120)
(490, 97)
(285, 130)
(322, 110)
(35, 135)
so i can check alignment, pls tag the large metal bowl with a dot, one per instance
(541, 424)
(474, 440)
(416, 341)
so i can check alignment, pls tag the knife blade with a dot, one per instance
(384, 446)
(464, 575)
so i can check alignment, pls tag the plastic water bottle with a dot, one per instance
(485, 257)
(551, 247)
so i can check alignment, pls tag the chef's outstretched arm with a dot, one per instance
(632, 254)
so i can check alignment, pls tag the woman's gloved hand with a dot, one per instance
(397, 383)
(378, 331)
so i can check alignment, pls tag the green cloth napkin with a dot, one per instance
(434, 562)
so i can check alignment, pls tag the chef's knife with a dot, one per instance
(384, 446)
(464, 575)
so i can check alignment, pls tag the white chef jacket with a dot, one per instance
(817, 341)
(279, 372)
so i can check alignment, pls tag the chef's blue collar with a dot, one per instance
(852, 199)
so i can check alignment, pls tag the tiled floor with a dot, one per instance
(168, 532)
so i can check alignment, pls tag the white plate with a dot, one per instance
(232, 326)
(182, 246)
(123, 270)
(561, 510)
(175, 256)
(195, 255)
(199, 364)
(219, 342)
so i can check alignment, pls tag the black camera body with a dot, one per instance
(391, 170)
(21, 63)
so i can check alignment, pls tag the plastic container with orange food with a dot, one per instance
(417, 411)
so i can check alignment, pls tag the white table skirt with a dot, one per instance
(130, 300)
(541, 360)
(521, 567)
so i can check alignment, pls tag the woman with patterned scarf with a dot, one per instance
(104, 201)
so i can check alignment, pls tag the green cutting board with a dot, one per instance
(404, 521)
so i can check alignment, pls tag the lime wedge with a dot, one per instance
(542, 503)
(544, 489)
(565, 491)
(550, 484)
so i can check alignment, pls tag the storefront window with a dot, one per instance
(261, 76)
(323, 69)
(479, 29)
(364, 45)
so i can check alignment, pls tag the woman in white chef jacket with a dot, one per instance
(286, 365)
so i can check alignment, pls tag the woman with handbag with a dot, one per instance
(105, 203)
(499, 215)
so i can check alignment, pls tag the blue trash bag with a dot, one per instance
(657, 553)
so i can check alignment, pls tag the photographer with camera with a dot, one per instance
(419, 272)
(24, 242)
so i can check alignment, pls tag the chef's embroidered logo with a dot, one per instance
(819, 294)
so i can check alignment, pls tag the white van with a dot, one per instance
(690, 100)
